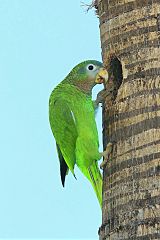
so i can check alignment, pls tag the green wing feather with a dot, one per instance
(65, 133)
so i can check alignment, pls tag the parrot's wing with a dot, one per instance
(64, 130)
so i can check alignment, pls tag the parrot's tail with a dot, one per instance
(96, 180)
(94, 176)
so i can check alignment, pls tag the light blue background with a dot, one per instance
(40, 42)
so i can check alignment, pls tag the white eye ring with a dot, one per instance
(91, 67)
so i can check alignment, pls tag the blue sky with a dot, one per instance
(40, 43)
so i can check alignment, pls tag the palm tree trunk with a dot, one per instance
(130, 39)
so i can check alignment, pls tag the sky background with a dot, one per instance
(40, 42)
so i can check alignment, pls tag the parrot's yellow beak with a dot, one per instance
(102, 76)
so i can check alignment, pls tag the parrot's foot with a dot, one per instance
(106, 154)
(102, 95)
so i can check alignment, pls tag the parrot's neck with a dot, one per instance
(85, 87)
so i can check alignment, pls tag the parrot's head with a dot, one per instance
(87, 74)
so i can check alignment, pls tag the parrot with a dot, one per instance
(72, 121)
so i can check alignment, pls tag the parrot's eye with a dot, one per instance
(90, 67)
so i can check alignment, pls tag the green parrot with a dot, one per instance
(72, 120)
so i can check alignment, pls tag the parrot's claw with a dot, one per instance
(102, 95)
(106, 154)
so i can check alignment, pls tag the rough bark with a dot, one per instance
(130, 31)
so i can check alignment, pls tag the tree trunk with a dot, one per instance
(130, 39)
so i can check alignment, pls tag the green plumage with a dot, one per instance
(72, 120)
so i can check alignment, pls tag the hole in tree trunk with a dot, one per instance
(116, 72)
